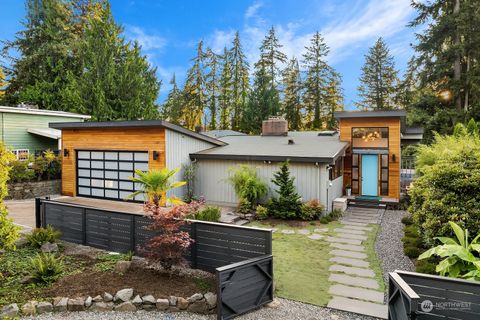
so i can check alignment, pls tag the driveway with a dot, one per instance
(22, 212)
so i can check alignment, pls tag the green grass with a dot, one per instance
(301, 264)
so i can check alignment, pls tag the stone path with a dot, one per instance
(354, 287)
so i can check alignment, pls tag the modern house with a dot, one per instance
(25, 130)
(99, 157)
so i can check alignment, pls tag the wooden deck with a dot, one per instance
(119, 206)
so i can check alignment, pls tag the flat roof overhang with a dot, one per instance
(134, 124)
(369, 114)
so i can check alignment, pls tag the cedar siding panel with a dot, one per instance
(135, 139)
(394, 127)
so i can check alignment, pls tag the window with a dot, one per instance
(384, 175)
(21, 154)
(355, 173)
(337, 170)
(370, 137)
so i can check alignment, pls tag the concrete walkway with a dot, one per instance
(354, 287)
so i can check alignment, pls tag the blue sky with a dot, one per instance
(169, 30)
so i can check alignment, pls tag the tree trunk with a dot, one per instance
(457, 67)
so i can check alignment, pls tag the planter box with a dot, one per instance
(32, 189)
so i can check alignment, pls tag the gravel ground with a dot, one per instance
(389, 246)
(287, 309)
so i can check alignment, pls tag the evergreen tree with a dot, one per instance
(240, 81)
(226, 95)
(3, 84)
(333, 100)
(263, 102)
(292, 95)
(194, 96)
(317, 74)
(172, 108)
(271, 56)
(212, 87)
(379, 79)
(288, 205)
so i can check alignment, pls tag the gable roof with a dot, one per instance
(306, 147)
(134, 124)
(41, 112)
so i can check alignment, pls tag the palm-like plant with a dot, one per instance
(461, 257)
(155, 184)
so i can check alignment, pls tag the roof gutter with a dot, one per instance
(200, 156)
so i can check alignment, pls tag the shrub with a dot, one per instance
(21, 171)
(311, 210)
(247, 185)
(189, 171)
(261, 213)
(209, 213)
(46, 268)
(325, 220)
(335, 214)
(412, 242)
(407, 220)
(288, 205)
(411, 231)
(47, 166)
(244, 207)
(40, 236)
(425, 266)
(411, 251)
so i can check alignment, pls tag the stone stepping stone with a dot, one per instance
(351, 236)
(348, 254)
(360, 220)
(274, 230)
(321, 230)
(350, 262)
(315, 236)
(349, 247)
(352, 271)
(346, 226)
(350, 231)
(352, 223)
(361, 307)
(288, 231)
(344, 240)
(354, 281)
(365, 216)
(357, 293)
(303, 231)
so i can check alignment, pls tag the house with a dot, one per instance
(373, 160)
(99, 157)
(316, 162)
(25, 130)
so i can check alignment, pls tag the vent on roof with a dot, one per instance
(329, 133)
(290, 141)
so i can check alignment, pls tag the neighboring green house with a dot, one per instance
(24, 130)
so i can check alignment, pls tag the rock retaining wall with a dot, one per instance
(124, 301)
(32, 189)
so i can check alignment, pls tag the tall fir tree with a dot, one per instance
(212, 86)
(226, 97)
(271, 56)
(172, 108)
(194, 96)
(3, 85)
(317, 74)
(288, 205)
(292, 104)
(240, 81)
(333, 100)
(379, 79)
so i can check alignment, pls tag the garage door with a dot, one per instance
(105, 174)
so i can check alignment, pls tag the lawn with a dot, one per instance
(301, 264)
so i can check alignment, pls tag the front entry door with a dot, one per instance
(369, 175)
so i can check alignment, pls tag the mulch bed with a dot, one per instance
(291, 223)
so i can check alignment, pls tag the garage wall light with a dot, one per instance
(155, 155)
(65, 152)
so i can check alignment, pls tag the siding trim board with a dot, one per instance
(265, 158)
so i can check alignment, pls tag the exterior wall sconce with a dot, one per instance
(65, 152)
(394, 157)
(155, 155)
(267, 162)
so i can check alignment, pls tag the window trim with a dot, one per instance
(17, 151)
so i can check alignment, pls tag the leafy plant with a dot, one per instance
(411, 251)
(47, 166)
(209, 213)
(46, 268)
(40, 236)
(407, 220)
(21, 171)
(247, 185)
(288, 205)
(311, 210)
(335, 214)
(189, 177)
(244, 207)
(460, 256)
(261, 212)
(155, 184)
(108, 261)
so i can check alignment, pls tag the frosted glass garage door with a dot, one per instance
(106, 174)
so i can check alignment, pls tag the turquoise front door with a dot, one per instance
(369, 175)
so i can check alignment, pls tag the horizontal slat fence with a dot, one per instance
(215, 245)
(424, 297)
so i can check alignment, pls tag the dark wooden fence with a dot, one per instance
(421, 296)
(238, 255)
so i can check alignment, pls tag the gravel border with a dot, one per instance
(389, 246)
(287, 309)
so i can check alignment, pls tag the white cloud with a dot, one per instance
(252, 11)
(147, 41)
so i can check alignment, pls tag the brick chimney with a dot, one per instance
(275, 126)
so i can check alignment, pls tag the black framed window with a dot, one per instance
(106, 174)
(384, 175)
(337, 170)
(355, 173)
(369, 137)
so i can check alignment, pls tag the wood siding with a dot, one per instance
(136, 139)
(393, 124)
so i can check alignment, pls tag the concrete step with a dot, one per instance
(356, 293)
(367, 273)
(360, 220)
(354, 281)
(350, 247)
(351, 223)
(360, 307)
(357, 228)
(343, 240)
(350, 262)
(229, 218)
(348, 254)
(351, 231)
(241, 222)
(351, 236)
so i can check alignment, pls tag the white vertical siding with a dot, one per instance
(178, 148)
(334, 191)
(212, 178)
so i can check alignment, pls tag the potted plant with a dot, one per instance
(348, 189)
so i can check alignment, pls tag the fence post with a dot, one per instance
(38, 212)
(84, 226)
(133, 239)
(193, 246)
(268, 245)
